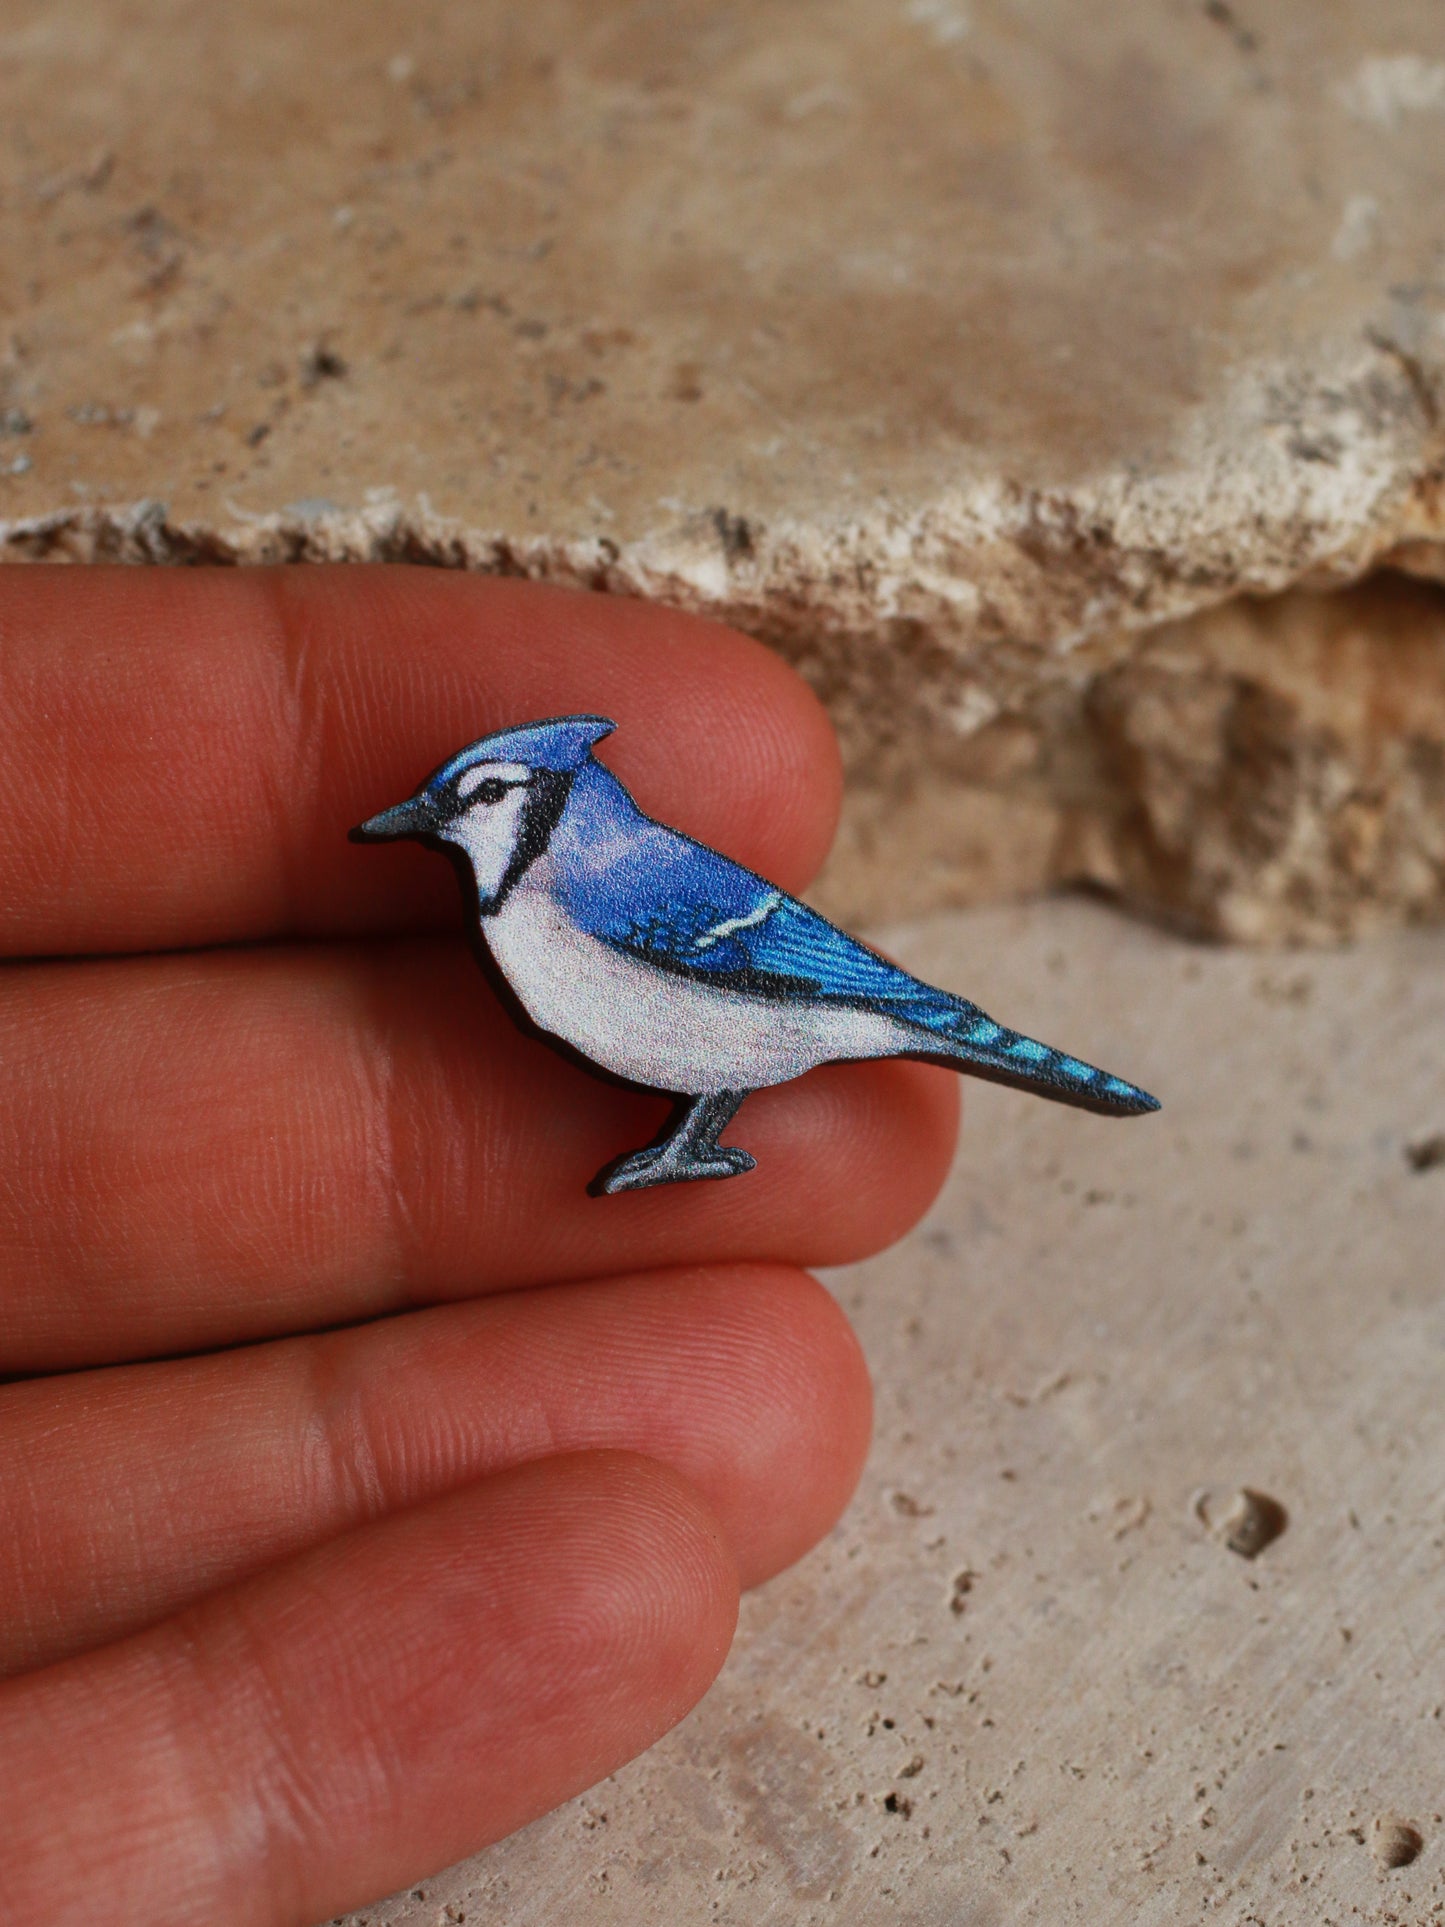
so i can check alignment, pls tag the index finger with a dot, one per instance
(184, 751)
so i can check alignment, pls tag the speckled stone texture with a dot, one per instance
(952, 345)
(1139, 1615)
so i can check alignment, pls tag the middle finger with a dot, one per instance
(201, 1149)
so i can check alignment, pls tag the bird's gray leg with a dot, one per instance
(688, 1149)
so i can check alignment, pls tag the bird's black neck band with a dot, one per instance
(547, 795)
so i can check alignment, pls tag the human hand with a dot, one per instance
(308, 1591)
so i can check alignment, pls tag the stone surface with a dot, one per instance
(951, 345)
(1045, 1671)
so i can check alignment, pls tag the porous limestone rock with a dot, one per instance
(952, 345)
(1272, 768)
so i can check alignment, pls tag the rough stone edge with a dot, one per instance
(1321, 482)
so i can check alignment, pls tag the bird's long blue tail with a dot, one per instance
(975, 1043)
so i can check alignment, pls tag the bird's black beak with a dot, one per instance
(417, 816)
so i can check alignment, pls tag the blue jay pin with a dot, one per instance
(671, 967)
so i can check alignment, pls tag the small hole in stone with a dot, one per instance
(962, 1587)
(1394, 1842)
(1426, 1153)
(1246, 1522)
(320, 362)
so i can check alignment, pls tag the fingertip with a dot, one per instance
(799, 1371)
(780, 739)
(871, 1142)
(650, 1623)
(716, 733)
(616, 1592)
(909, 1124)
(664, 1600)
(746, 755)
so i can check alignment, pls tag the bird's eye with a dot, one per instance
(489, 791)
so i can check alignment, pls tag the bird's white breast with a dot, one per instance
(662, 1029)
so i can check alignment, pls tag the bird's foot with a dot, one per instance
(666, 1164)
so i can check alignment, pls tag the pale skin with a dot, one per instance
(418, 1487)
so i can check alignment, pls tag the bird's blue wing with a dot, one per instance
(671, 902)
(791, 947)
(775, 946)
(682, 907)
(656, 895)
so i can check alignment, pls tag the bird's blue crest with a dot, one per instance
(560, 743)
